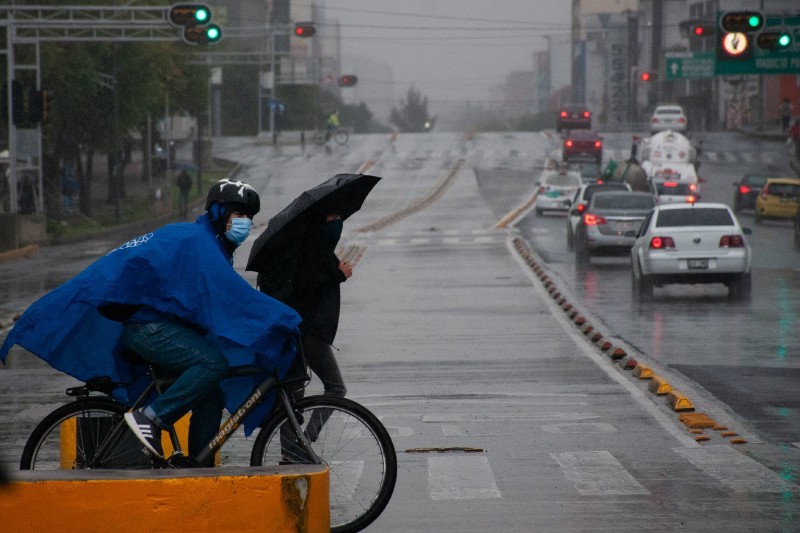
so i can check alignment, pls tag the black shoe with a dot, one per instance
(146, 431)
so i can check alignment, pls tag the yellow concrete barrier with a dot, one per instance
(241, 499)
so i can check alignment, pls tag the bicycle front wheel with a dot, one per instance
(341, 136)
(354, 445)
(74, 436)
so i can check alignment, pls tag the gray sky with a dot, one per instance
(451, 50)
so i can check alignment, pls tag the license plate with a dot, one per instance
(697, 263)
(624, 226)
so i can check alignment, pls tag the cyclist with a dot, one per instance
(175, 299)
(332, 124)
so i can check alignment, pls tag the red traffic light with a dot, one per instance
(304, 29)
(348, 80)
(703, 30)
(646, 76)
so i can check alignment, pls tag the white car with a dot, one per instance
(671, 192)
(668, 117)
(556, 189)
(691, 243)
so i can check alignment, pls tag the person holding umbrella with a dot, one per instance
(297, 264)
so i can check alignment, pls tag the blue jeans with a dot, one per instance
(179, 349)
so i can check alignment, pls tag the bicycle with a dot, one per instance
(339, 135)
(338, 432)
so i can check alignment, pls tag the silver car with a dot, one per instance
(609, 224)
(691, 243)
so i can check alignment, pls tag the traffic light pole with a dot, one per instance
(32, 25)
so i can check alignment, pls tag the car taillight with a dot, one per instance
(692, 187)
(598, 144)
(744, 189)
(662, 243)
(581, 208)
(654, 120)
(593, 220)
(670, 184)
(586, 114)
(731, 241)
(691, 199)
(681, 120)
(568, 143)
(563, 114)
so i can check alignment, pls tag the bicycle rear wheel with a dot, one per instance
(341, 136)
(354, 445)
(70, 437)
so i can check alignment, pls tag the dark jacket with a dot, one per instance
(317, 294)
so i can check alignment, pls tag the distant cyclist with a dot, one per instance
(332, 124)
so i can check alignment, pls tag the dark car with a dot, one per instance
(580, 201)
(583, 145)
(573, 116)
(747, 190)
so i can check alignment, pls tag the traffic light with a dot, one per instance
(741, 21)
(305, 29)
(703, 30)
(774, 41)
(648, 76)
(196, 22)
(348, 80)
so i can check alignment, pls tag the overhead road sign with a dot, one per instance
(687, 66)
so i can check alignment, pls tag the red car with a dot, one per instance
(573, 116)
(583, 144)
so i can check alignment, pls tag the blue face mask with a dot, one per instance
(240, 229)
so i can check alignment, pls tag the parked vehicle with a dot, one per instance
(668, 192)
(779, 198)
(691, 243)
(668, 117)
(609, 224)
(583, 145)
(573, 116)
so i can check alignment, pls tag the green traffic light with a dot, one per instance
(784, 40)
(201, 15)
(754, 21)
(213, 34)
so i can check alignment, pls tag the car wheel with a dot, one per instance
(741, 287)
(582, 254)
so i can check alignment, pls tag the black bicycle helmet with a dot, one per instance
(225, 192)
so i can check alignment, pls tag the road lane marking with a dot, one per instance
(461, 477)
(735, 470)
(598, 473)
(584, 427)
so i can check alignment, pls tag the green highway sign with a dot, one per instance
(688, 66)
(757, 59)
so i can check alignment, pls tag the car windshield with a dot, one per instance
(783, 189)
(623, 201)
(589, 192)
(669, 111)
(674, 189)
(563, 180)
(694, 216)
(755, 180)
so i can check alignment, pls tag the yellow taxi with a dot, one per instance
(779, 198)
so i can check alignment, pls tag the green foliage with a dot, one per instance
(412, 114)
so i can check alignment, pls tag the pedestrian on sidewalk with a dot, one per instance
(786, 114)
(184, 183)
(794, 135)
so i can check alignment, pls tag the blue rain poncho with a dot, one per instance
(181, 271)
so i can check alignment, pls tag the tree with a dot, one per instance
(412, 114)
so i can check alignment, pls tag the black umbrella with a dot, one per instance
(343, 194)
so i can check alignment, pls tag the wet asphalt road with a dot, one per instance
(454, 344)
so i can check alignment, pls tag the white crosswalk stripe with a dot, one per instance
(461, 477)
